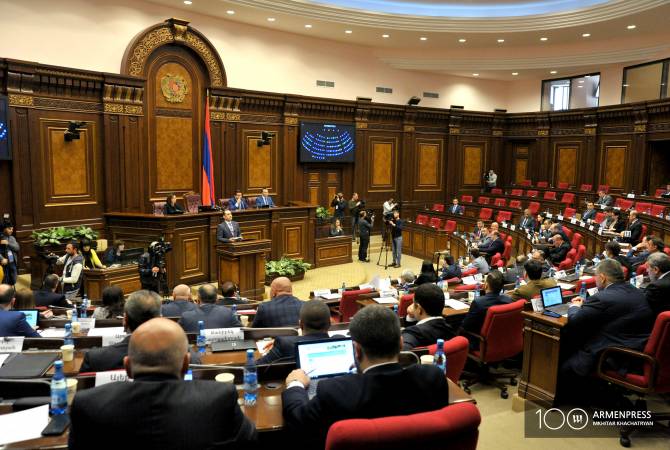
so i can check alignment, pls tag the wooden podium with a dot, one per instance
(95, 280)
(243, 263)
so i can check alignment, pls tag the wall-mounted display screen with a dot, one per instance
(322, 142)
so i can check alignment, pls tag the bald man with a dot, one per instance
(283, 310)
(158, 410)
(182, 301)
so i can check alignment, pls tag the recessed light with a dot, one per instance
(544, 39)
(230, 11)
(553, 72)
(586, 35)
(515, 73)
(385, 36)
(587, 76)
(500, 41)
(580, 86)
(475, 74)
(581, 81)
(271, 19)
(423, 38)
(187, 2)
(461, 40)
(348, 31)
(308, 26)
(631, 27)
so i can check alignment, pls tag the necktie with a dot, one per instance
(264, 201)
(230, 226)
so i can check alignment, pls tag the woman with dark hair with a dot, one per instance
(113, 254)
(336, 229)
(91, 260)
(427, 275)
(112, 303)
(171, 205)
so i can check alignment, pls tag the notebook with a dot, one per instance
(27, 365)
(552, 300)
(31, 316)
(325, 358)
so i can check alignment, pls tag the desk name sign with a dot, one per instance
(87, 323)
(12, 344)
(223, 334)
(110, 376)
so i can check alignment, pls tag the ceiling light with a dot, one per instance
(587, 76)
(385, 36)
(348, 31)
(586, 35)
(500, 41)
(230, 11)
(515, 73)
(271, 19)
(553, 72)
(187, 2)
(461, 40)
(475, 74)
(581, 81)
(308, 26)
(423, 38)
(631, 27)
(580, 86)
(544, 39)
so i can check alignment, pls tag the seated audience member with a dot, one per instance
(407, 279)
(113, 254)
(336, 229)
(230, 295)
(427, 275)
(455, 208)
(182, 301)
(474, 319)
(375, 391)
(658, 290)
(427, 311)
(527, 222)
(213, 315)
(634, 229)
(559, 251)
(609, 218)
(112, 304)
(484, 238)
(158, 409)
(12, 323)
(264, 200)
(25, 300)
(540, 256)
(478, 261)
(534, 284)
(283, 309)
(314, 323)
(544, 233)
(515, 268)
(47, 296)
(450, 269)
(617, 224)
(171, 205)
(589, 213)
(618, 315)
(495, 246)
(613, 251)
(639, 253)
(604, 199)
(479, 231)
(237, 202)
(557, 228)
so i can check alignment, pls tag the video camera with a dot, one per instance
(160, 247)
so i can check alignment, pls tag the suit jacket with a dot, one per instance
(511, 273)
(427, 333)
(474, 319)
(558, 254)
(214, 316)
(177, 308)
(605, 200)
(527, 223)
(261, 201)
(47, 298)
(223, 233)
(618, 315)
(493, 247)
(618, 226)
(481, 265)
(282, 311)
(176, 209)
(658, 294)
(531, 289)
(159, 412)
(375, 393)
(232, 205)
(625, 263)
(340, 206)
(284, 347)
(455, 209)
(589, 214)
(13, 323)
(635, 229)
(452, 271)
(229, 301)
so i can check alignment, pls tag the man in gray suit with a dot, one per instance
(213, 315)
(228, 230)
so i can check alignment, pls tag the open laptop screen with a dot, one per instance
(551, 296)
(326, 357)
(31, 316)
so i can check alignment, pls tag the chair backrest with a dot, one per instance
(517, 192)
(550, 195)
(566, 264)
(456, 351)
(572, 254)
(643, 207)
(568, 198)
(495, 259)
(435, 222)
(576, 240)
(192, 202)
(581, 252)
(502, 332)
(485, 213)
(604, 187)
(569, 213)
(504, 216)
(516, 204)
(450, 226)
(421, 219)
(482, 200)
(657, 210)
(159, 208)
(348, 305)
(454, 424)
(500, 202)
(600, 216)
(496, 191)
(568, 232)
(641, 269)
(438, 207)
(526, 183)
(531, 193)
(658, 347)
(507, 253)
(658, 192)
(466, 198)
(644, 230)
(563, 185)
(542, 184)
(405, 301)
(534, 207)
(585, 187)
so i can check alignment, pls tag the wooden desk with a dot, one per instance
(127, 277)
(446, 312)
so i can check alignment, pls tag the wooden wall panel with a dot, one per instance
(472, 165)
(429, 169)
(615, 166)
(566, 170)
(382, 164)
(521, 170)
(174, 158)
(259, 165)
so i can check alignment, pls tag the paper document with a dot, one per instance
(386, 300)
(455, 304)
(329, 296)
(566, 286)
(3, 357)
(23, 425)
(321, 292)
(53, 333)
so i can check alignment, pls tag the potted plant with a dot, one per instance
(294, 269)
(323, 215)
(62, 235)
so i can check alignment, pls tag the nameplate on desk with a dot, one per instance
(223, 334)
(110, 336)
(592, 291)
(112, 339)
(321, 292)
(504, 224)
(87, 323)
(389, 293)
(591, 228)
(386, 300)
(559, 217)
(455, 304)
(110, 376)
(365, 286)
(603, 206)
(549, 215)
(469, 280)
(600, 232)
(573, 221)
(560, 274)
(630, 196)
(512, 227)
(582, 224)
(13, 344)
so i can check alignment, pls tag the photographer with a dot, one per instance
(365, 223)
(9, 253)
(355, 207)
(152, 267)
(340, 204)
(396, 225)
(389, 206)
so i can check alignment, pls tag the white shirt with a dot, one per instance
(428, 319)
(388, 207)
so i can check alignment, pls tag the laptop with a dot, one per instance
(231, 346)
(552, 300)
(325, 358)
(31, 316)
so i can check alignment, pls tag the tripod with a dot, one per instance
(386, 245)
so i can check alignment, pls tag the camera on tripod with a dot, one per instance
(370, 213)
(157, 251)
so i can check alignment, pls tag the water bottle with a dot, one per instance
(201, 340)
(84, 307)
(233, 307)
(58, 390)
(582, 290)
(596, 260)
(440, 359)
(552, 272)
(341, 290)
(75, 316)
(517, 285)
(577, 267)
(478, 287)
(188, 376)
(250, 380)
(395, 309)
(633, 281)
(68, 339)
(237, 296)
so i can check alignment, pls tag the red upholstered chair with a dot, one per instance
(600, 216)
(581, 252)
(456, 425)
(500, 202)
(517, 192)
(576, 240)
(568, 232)
(485, 213)
(666, 250)
(516, 204)
(563, 185)
(435, 222)
(643, 207)
(496, 191)
(534, 207)
(439, 207)
(530, 193)
(658, 192)
(549, 195)
(348, 306)
(421, 219)
(657, 210)
(526, 183)
(503, 236)
(456, 351)
(566, 264)
(641, 269)
(500, 338)
(450, 226)
(507, 253)
(495, 259)
(569, 213)
(504, 216)
(543, 184)
(405, 301)
(585, 187)
(466, 198)
(568, 198)
(465, 287)
(469, 272)
(483, 200)
(644, 230)
(655, 376)
(604, 187)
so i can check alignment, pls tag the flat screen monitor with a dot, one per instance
(322, 142)
(5, 148)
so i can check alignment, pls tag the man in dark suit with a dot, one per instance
(237, 202)
(375, 391)
(527, 222)
(182, 301)
(515, 268)
(314, 323)
(495, 246)
(47, 296)
(658, 290)
(158, 409)
(589, 213)
(474, 319)
(283, 310)
(427, 310)
(12, 323)
(613, 250)
(213, 315)
(633, 230)
(455, 208)
(264, 200)
(230, 295)
(604, 199)
(228, 230)
(559, 251)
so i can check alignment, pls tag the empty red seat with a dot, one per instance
(435, 222)
(504, 216)
(643, 207)
(550, 195)
(495, 259)
(623, 203)
(585, 187)
(604, 187)
(500, 202)
(566, 264)
(542, 184)
(405, 301)
(600, 216)
(496, 191)
(576, 241)
(563, 185)
(569, 213)
(581, 252)
(466, 198)
(517, 192)
(439, 207)
(421, 219)
(485, 213)
(658, 192)
(530, 193)
(657, 210)
(450, 226)
(568, 232)
(568, 198)
(516, 204)
(507, 253)
(526, 183)
(483, 200)
(468, 272)
(534, 207)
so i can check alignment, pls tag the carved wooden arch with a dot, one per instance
(172, 31)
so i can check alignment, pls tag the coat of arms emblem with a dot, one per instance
(174, 88)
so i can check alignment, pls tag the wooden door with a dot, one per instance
(322, 185)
